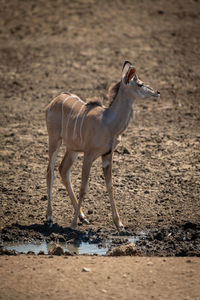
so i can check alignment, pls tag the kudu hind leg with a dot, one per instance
(107, 170)
(87, 163)
(53, 152)
(65, 169)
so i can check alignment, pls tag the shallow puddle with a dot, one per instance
(76, 248)
(83, 248)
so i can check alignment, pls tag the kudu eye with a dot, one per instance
(140, 84)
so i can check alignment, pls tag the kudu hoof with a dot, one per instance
(49, 222)
(73, 226)
(49, 225)
(84, 221)
(120, 228)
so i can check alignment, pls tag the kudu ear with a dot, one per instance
(128, 72)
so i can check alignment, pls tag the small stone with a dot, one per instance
(68, 253)
(30, 253)
(104, 291)
(124, 250)
(160, 12)
(86, 270)
(56, 250)
(188, 261)
(4, 251)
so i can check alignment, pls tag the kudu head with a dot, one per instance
(133, 85)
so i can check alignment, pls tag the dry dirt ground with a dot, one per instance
(47, 47)
(50, 277)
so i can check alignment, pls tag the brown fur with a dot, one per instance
(92, 129)
(113, 91)
(94, 101)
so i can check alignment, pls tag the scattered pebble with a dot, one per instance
(56, 250)
(188, 261)
(86, 270)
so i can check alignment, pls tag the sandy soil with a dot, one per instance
(52, 46)
(50, 277)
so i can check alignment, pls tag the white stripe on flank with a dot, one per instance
(83, 118)
(63, 114)
(74, 133)
(74, 96)
(70, 115)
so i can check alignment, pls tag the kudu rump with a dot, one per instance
(94, 130)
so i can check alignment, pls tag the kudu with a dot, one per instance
(94, 130)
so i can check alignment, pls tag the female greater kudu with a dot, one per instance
(94, 130)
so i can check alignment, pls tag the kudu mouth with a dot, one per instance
(151, 91)
(156, 94)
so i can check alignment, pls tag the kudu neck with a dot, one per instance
(119, 113)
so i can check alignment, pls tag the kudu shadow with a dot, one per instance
(40, 231)
(46, 231)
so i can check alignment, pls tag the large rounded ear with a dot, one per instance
(125, 68)
(128, 72)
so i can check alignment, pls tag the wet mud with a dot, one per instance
(174, 241)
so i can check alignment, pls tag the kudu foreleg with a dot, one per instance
(107, 170)
(87, 163)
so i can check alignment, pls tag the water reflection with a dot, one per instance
(76, 248)
(83, 248)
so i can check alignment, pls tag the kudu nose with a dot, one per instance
(158, 93)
